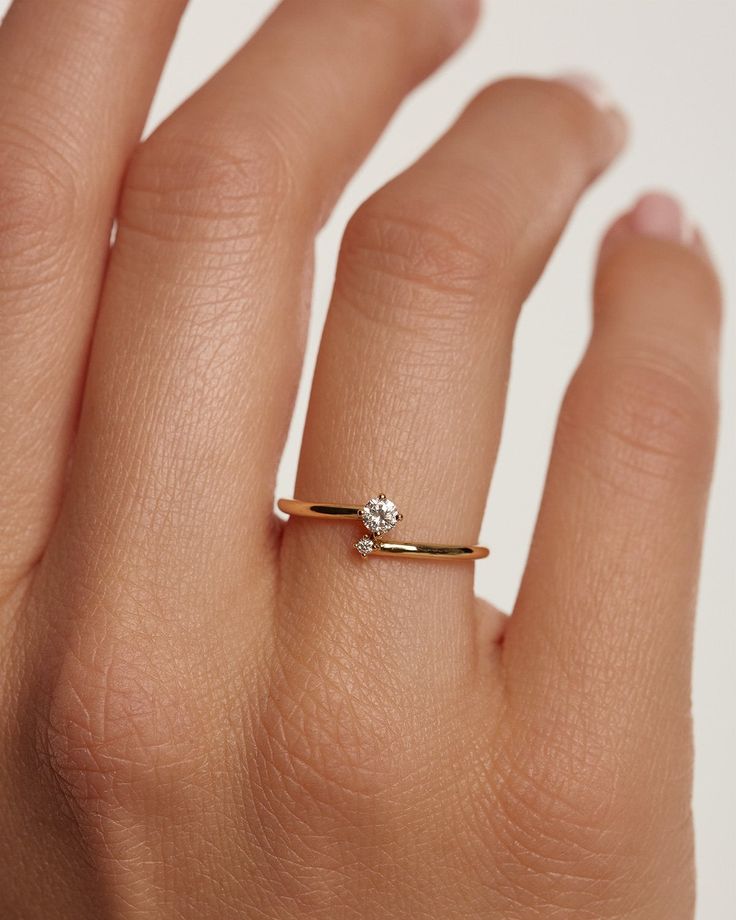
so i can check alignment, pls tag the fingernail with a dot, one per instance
(662, 217)
(590, 87)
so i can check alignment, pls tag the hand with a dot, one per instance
(209, 714)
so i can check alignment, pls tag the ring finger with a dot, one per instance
(409, 392)
(198, 345)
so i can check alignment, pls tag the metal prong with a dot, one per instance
(382, 496)
(399, 517)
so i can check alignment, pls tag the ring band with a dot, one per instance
(379, 515)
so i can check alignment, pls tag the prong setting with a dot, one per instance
(379, 515)
(365, 546)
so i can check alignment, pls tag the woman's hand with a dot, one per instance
(206, 714)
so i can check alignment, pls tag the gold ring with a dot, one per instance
(379, 515)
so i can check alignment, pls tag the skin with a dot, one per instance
(206, 713)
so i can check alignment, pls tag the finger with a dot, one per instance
(76, 78)
(198, 347)
(491, 626)
(599, 645)
(410, 385)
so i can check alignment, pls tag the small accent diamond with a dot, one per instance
(365, 546)
(379, 515)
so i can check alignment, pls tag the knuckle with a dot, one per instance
(315, 736)
(415, 265)
(572, 829)
(40, 197)
(108, 733)
(656, 418)
(557, 782)
(182, 188)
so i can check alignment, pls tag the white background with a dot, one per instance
(670, 64)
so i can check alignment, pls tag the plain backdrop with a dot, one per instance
(671, 66)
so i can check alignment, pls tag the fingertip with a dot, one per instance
(467, 15)
(463, 16)
(655, 215)
(654, 256)
(590, 86)
(661, 216)
(597, 94)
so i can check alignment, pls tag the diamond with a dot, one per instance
(365, 546)
(379, 515)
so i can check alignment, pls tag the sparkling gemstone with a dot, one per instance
(365, 546)
(380, 515)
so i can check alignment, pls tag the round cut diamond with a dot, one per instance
(365, 546)
(379, 515)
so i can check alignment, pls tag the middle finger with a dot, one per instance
(197, 351)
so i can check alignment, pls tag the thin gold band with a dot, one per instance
(335, 512)
(319, 509)
(432, 551)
